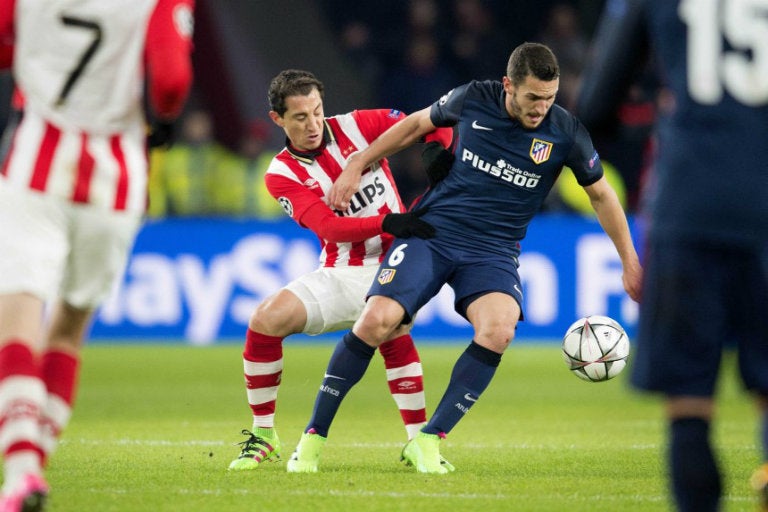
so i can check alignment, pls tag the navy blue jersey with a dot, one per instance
(502, 172)
(711, 171)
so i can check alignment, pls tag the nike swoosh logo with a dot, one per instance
(479, 126)
(517, 288)
(469, 398)
(329, 376)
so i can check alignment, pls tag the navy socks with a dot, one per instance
(695, 478)
(347, 366)
(471, 374)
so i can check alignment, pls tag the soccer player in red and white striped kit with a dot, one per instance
(353, 244)
(72, 195)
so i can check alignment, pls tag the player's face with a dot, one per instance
(303, 121)
(530, 101)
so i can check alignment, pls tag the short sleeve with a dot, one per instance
(446, 110)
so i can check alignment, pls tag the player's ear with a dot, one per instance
(508, 85)
(275, 117)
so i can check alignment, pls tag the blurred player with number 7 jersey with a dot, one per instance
(72, 194)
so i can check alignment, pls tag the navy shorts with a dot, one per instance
(698, 299)
(414, 271)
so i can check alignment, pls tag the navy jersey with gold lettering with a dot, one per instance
(502, 172)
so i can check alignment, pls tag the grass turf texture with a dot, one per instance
(155, 426)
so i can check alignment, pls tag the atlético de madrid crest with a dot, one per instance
(386, 275)
(540, 151)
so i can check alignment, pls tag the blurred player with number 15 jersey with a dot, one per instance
(72, 195)
(706, 281)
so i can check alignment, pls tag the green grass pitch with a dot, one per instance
(155, 426)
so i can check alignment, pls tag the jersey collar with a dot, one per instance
(308, 157)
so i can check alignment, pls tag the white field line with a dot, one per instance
(478, 446)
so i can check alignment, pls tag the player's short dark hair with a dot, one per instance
(291, 82)
(532, 59)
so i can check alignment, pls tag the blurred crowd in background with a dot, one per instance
(409, 53)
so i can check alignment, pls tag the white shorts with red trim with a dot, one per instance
(53, 248)
(333, 296)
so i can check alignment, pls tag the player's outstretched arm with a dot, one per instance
(396, 138)
(612, 218)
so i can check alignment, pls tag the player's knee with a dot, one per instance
(689, 407)
(496, 336)
(273, 318)
(68, 327)
(261, 321)
(377, 325)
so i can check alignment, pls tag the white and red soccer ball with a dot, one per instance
(596, 348)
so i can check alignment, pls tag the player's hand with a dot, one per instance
(632, 278)
(437, 161)
(346, 184)
(162, 134)
(406, 225)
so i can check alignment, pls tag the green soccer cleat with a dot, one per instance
(447, 465)
(423, 453)
(759, 482)
(307, 455)
(260, 446)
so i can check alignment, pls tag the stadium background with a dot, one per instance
(199, 269)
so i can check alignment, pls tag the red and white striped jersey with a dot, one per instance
(300, 180)
(81, 71)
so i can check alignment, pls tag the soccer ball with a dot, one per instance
(596, 348)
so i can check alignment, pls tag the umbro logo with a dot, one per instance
(479, 126)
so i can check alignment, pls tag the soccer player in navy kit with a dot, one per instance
(707, 263)
(512, 145)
